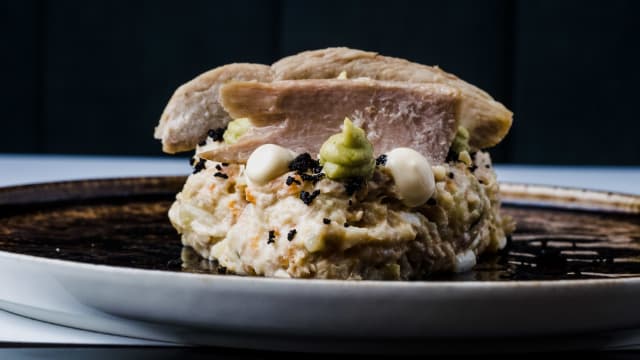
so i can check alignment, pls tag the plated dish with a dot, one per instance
(337, 163)
(80, 254)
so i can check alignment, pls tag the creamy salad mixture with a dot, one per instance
(343, 213)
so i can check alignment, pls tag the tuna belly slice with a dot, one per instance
(302, 114)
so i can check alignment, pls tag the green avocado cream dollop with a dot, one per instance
(347, 154)
(235, 129)
(461, 141)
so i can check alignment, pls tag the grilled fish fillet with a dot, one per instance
(194, 108)
(487, 120)
(302, 114)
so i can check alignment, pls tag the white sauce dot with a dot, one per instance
(465, 261)
(412, 175)
(267, 162)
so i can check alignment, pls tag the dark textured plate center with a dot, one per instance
(124, 223)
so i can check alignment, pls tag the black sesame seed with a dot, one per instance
(381, 160)
(326, 221)
(221, 175)
(200, 165)
(450, 175)
(216, 134)
(272, 237)
(291, 180)
(307, 197)
(292, 233)
(346, 225)
(431, 202)
(218, 167)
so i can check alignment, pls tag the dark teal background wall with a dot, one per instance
(93, 76)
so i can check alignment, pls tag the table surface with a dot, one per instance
(26, 169)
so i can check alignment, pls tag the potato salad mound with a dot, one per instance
(343, 214)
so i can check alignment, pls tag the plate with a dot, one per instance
(101, 255)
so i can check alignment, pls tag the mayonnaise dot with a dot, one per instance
(412, 175)
(267, 162)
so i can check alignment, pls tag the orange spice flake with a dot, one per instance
(250, 198)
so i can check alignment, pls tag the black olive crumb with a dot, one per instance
(352, 185)
(222, 270)
(292, 233)
(381, 160)
(487, 166)
(200, 165)
(291, 180)
(350, 202)
(450, 175)
(216, 134)
(304, 162)
(221, 175)
(272, 237)
(191, 161)
(202, 143)
(218, 167)
(307, 197)
(431, 202)
(481, 182)
(346, 225)
(224, 164)
(326, 221)
(473, 168)
(313, 178)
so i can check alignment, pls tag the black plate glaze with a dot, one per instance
(123, 222)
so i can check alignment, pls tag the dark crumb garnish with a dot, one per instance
(487, 166)
(191, 161)
(221, 175)
(346, 224)
(481, 182)
(350, 202)
(450, 175)
(307, 197)
(292, 233)
(351, 185)
(473, 156)
(431, 201)
(222, 270)
(200, 165)
(304, 162)
(272, 237)
(473, 168)
(381, 160)
(291, 180)
(216, 134)
(218, 167)
(224, 164)
(326, 221)
(202, 143)
(313, 178)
